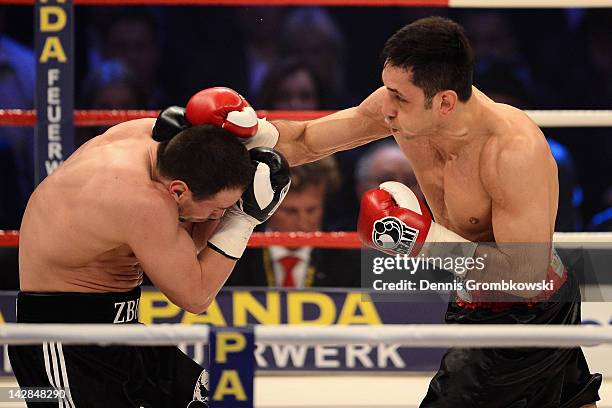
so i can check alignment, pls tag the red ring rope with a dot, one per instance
(10, 239)
(369, 3)
(18, 117)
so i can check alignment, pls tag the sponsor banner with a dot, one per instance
(54, 85)
(232, 367)
(240, 308)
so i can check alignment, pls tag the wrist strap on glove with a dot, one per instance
(232, 234)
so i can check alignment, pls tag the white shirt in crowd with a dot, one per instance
(300, 269)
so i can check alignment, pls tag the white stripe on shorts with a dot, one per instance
(64, 373)
(49, 368)
(57, 373)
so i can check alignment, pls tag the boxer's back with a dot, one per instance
(72, 233)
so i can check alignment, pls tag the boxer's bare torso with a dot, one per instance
(73, 233)
(461, 187)
(493, 180)
(485, 168)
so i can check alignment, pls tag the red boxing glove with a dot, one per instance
(225, 108)
(393, 219)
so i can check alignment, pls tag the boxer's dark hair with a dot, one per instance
(437, 52)
(207, 158)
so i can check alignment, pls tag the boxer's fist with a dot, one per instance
(226, 108)
(270, 184)
(393, 219)
(170, 122)
(259, 201)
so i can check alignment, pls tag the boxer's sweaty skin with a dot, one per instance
(82, 223)
(485, 168)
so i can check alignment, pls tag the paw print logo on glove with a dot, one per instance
(391, 233)
(387, 233)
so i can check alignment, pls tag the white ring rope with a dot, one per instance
(583, 240)
(582, 237)
(571, 118)
(415, 335)
(529, 3)
(438, 335)
(103, 334)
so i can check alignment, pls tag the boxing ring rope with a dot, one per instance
(352, 3)
(544, 118)
(410, 335)
(350, 240)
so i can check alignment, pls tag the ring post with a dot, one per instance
(232, 367)
(54, 133)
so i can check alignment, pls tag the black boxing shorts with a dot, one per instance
(95, 376)
(516, 377)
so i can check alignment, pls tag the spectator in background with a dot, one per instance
(602, 221)
(384, 161)
(227, 46)
(292, 85)
(594, 69)
(310, 33)
(505, 82)
(301, 210)
(130, 37)
(110, 86)
(259, 27)
(492, 35)
(592, 61)
(295, 85)
(17, 72)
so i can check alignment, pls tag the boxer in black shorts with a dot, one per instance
(515, 377)
(94, 376)
(167, 197)
(491, 188)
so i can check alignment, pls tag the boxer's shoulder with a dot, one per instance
(138, 128)
(512, 136)
(149, 204)
(516, 149)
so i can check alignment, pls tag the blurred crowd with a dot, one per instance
(312, 58)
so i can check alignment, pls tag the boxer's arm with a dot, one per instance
(303, 142)
(169, 256)
(200, 232)
(517, 177)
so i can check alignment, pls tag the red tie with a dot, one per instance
(288, 262)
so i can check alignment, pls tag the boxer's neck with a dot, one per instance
(463, 127)
(152, 154)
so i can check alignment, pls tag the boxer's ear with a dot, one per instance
(177, 188)
(446, 101)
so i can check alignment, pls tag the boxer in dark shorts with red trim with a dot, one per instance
(490, 181)
(171, 198)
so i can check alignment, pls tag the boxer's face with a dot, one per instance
(212, 208)
(404, 105)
